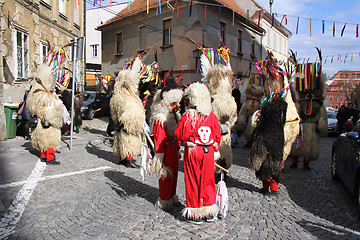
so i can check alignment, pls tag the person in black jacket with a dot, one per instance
(342, 117)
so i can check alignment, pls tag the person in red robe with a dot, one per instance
(199, 129)
(164, 118)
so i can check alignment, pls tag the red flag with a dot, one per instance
(259, 19)
(283, 19)
(357, 30)
(334, 29)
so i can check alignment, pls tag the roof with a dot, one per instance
(139, 6)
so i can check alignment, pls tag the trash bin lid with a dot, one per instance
(11, 105)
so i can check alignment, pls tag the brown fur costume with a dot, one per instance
(314, 124)
(127, 110)
(266, 153)
(46, 107)
(78, 102)
(219, 79)
(253, 97)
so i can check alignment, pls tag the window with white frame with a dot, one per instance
(94, 50)
(44, 50)
(22, 54)
(167, 28)
(75, 12)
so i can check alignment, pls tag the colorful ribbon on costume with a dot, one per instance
(270, 69)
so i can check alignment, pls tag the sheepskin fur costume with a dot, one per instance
(266, 153)
(314, 121)
(199, 98)
(253, 96)
(126, 108)
(46, 107)
(219, 79)
(162, 111)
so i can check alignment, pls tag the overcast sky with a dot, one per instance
(338, 11)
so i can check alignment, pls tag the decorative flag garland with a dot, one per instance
(311, 79)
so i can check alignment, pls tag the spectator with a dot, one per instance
(342, 117)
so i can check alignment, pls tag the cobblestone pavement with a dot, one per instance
(89, 196)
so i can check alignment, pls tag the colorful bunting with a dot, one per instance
(297, 25)
(204, 18)
(343, 29)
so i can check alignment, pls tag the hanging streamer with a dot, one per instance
(323, 26)
(310, 27)
(272, 19)
(346, 55)
(204, 18)
(247, 17)
(334, 29)
(357, 30)
(95, 2)
(343, 29)
(158, 8)
(79, 2)
(259, 20)
(297, 25)
(129, 6)
(233, 20)
(332, 59)
(325, 59)
(352, 57)
(190, 9)
(147, 6)
(284, 17)
(176, 3)
(219, 13)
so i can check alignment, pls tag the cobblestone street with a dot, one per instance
(89, 196)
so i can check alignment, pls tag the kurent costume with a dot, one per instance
(309, 93)
(46, 111)
(164, 119)
(219, 80)
(253, 94)
(128, 114)
(276, 129)
(199, 129)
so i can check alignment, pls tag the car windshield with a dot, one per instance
(331, 114)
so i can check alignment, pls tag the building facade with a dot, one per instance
(29, 29)
(131, 32)
(95, 17)
(343, 88)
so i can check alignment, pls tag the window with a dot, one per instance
(44, 50)
(341, 75)
(358, 75)
(274, 47)
(61, 7)
(222, 31)
(22, 54)
(239, 41)
(119, 43)
(94, 50)
(167, 32)
(268, 37)
(280, 45)
(143, 37)
(353, 75)
(346, 75)
(253, 46)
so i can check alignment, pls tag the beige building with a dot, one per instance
(130, 32)
(29, 29)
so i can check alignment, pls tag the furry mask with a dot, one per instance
(47, 76)
(199, 98)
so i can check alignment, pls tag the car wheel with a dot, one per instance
(334, 174)
(91, 114)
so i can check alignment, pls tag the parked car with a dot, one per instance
(93, 102)
(345, 164)
(333, 128)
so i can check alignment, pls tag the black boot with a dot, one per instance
(131, 164)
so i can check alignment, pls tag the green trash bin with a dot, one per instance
(10, 110)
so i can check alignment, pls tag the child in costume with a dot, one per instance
(128, 114)
(46, 111)
(199, 129)
(164, 118)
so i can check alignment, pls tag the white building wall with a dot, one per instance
(94, 18)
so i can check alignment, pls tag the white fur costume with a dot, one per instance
(46, 107)
(219, 79)
(126, 108)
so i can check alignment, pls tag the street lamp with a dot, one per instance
(196, 54)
